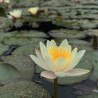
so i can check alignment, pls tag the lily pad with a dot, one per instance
(88, 24)
(93, 57)
(80, 44)
(64, 33)
(2, 11)
(26, 49)
(92, 32)
(94, 94)
(72, 80)
(21, 40)
(67, 23)
(23, 89)
(8, 72)
(3, 48)
(28, 34)
(22, 63)
(5, 23)
(20, 4)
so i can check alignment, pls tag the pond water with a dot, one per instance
(75, 20)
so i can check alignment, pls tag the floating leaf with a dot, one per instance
(82, 89)
(64, 33)
(30, 34)
(5, 23)
(3, 48)
(21, 40)
(92, 32)
(8, 72)
(23, 89)
(93, 57)
(26, 49)
(94, 94)
(22, 63)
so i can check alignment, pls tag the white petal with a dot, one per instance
(77, 72)
(48, 75)
(50, 64)
(48, 43)
(43, 50)
(68, 48)
(52, 44)
(60, 74)
(73, 54)
(37, 61)
(76, 60)
(60, 63)
(73, 72)
(81, 53)
(64, 43)
(40, 57)
(10, 17)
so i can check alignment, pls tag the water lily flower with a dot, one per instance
(15, 14)
(1, 1)
(58, 61)
(7, 1)
(33, 10)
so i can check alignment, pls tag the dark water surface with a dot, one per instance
(64, 91)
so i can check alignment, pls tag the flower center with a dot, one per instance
(59, 52)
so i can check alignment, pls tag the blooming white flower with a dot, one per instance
(7, 1)
(15, 14)
(59, 61)
(33, 10)
(1, 1)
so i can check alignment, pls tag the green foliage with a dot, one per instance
(23, 89)
(23, 64)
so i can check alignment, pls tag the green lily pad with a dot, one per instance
(23, 89)
(92, 32)
(22, 63)
(80, 44)
(72, 80)
(64, 33)
(8, 72)
(2, 11)
(21, 40)
(5, 23)
(3, 48)
(93, 57)
(94, 94)
(27, 34)
(27, 3)
(30, 19)
(67, 23)
(26, 49)
(88, 24)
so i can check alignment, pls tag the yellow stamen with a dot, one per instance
(59, 52)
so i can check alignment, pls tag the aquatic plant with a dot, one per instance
(33, 10)
(16, 14)
(59, 61)
(1, 1)
(7, 1)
